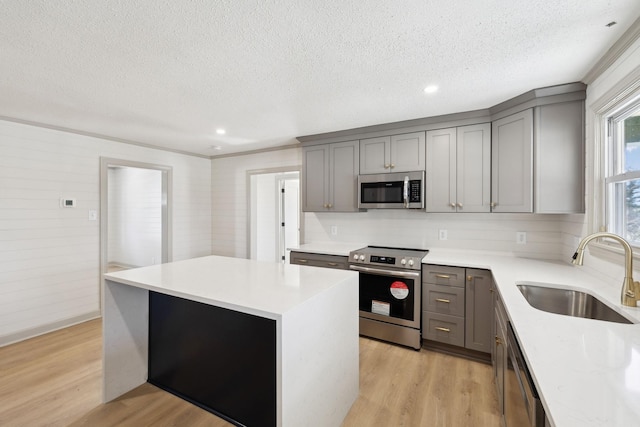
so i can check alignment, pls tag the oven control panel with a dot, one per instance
(384, 258)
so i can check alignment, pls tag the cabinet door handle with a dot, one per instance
(442, 329)
(498, 341)
(443, 300)
(386, 165)
(332, 264)
(493, 204)
(453, 205)
(302, 261)
(469, 278)
(459, 205)
(443, 276)
(392, 166)
(329, 205)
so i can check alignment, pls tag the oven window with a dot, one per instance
(381, 192)
(387, 296)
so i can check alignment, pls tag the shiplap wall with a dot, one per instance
(229, 196)
(135, 216)
(49, 256)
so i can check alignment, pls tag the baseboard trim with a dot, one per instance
(44, 329)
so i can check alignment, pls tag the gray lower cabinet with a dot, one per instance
(457, 306)
(499, 352)
(319, 260)
(478, 310)
(329, 177)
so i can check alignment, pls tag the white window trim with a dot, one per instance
(611, 103)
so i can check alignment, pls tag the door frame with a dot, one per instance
(252, 172)
(167, 203)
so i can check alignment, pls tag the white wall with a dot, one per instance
(266, 201)
(576, 226)
(230, 198)
(135, 217)
(49, 256)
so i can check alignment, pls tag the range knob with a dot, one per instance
(403, 261)
(410, 263)
(361, 257)
(355, 257)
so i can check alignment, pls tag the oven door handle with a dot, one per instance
(392, 273)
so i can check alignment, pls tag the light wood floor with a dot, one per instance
(55, 380)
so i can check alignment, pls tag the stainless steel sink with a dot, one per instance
(570, 303)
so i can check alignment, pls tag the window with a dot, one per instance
(622, 175)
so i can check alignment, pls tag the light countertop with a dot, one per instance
(328, 248)
(266, 289)
(586, 371)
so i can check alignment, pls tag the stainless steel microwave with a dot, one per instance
(399, 190)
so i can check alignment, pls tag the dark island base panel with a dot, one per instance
(219, 359)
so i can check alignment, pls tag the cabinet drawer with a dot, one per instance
(442, 275)
(443, 328)
(319, 260)
(443, 299)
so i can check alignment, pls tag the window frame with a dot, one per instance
(622, 99)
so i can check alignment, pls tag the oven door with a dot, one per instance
(391, 296)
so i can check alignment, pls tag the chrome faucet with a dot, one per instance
(630, 289)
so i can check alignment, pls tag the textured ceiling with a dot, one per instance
(169, 73)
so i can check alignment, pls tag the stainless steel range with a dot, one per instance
(390, 297)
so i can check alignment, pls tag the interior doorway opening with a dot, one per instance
(135, 207)
(274, 224)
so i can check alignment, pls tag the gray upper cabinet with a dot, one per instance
(458, 169)
(396, 153)
(329, 177)
(479, 310)
(512, 163)
(559, 158)
(552, 179)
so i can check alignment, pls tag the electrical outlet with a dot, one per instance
(521, 237)
(334, 230)
(93, 215)
(442, 234)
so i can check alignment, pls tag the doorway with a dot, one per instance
(274, 206)
(135, 201)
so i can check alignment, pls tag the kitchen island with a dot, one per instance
(256, 343)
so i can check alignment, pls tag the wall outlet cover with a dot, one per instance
(334, 230)
(442, 234)
(521, 238)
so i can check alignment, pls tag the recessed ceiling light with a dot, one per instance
(431, 89)
(221, 131)
(215, 147)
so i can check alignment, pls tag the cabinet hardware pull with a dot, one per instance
(392, 166)
(493, 204)
(386, 165)
(469, 278)
(303, 261)
(443, 276)
(460, 205)
(332, 264)
(443, 300)
(498, 341)
(442, 329)
(453, 205)
(329, 205)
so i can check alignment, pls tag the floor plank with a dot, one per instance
(55, 380)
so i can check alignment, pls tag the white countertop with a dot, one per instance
(586, 371)
(328, 248)
(266, 289)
